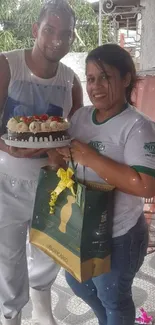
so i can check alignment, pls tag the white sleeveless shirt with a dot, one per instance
(31, 95)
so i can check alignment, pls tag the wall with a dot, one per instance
(76, 61)
(145, 94)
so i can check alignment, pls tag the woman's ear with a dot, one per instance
(127, 80)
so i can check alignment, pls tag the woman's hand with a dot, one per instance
(81, 153)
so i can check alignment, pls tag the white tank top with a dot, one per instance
(31, 95)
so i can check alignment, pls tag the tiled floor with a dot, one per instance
(70, 310)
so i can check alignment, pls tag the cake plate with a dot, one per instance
(35, 145)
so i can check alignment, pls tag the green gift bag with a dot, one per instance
(77, 230)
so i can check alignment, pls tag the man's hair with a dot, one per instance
(56, 7)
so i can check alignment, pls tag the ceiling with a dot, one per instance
(120, 2)
(126, 2)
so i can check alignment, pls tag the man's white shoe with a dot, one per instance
(14, 321)
(42, 310)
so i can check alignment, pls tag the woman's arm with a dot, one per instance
(136, 174)
(123, 177)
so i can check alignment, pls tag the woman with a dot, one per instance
(116, 144)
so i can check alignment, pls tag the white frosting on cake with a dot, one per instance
(23, 124)
(12, 124)
(62, 126)
(54, 126)
(34, 127)
(21, 127)
(45, 127)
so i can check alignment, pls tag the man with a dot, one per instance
(33, 81)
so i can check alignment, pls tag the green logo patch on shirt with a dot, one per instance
(150, 148)
(98, 145)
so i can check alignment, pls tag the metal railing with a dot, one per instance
(124, 26)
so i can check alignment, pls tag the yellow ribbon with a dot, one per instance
(66, 181)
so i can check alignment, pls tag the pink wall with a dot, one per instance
(144, 96)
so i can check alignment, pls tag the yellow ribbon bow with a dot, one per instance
(66, 181)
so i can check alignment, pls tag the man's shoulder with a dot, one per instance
(65, 68)
(13, 52)
(13, 55)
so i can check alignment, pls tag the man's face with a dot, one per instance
(54, 36)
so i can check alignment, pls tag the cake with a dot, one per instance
(37, 128)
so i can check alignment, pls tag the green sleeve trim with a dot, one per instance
(144, 170)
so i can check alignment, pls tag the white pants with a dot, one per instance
(16, 208)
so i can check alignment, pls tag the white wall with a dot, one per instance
(76, 61)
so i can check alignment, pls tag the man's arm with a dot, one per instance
(55, 159)
(4, 84)
(77, 96)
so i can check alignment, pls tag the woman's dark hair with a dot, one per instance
(56, 7)
(116, 56)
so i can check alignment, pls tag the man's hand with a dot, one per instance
(55, 159)
(25, 153)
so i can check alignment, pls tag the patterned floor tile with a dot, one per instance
(70, 310)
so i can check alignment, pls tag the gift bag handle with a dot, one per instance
(74, 167)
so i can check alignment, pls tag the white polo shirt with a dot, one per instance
(127, 138)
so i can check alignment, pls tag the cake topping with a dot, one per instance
(34, 127)
(45, 127)
(56, 119)
(54, 126)
(25, 119)
(37, 123)
(12, 124)
(44, 117)
(22, 127)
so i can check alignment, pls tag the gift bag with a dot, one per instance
(72, 222)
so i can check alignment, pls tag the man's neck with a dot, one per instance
(39, 66)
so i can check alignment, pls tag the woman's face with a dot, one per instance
(105, 86)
